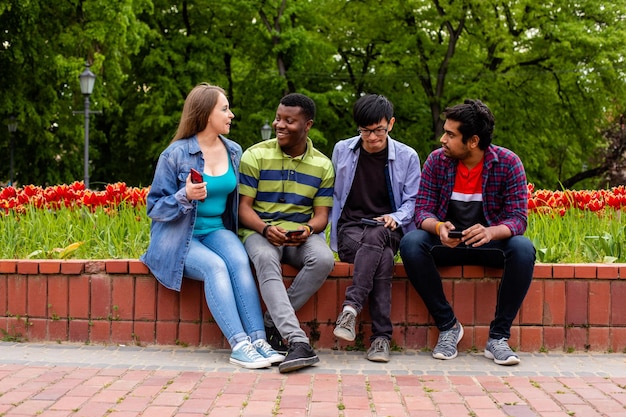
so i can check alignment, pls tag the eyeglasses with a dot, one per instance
(379, 131)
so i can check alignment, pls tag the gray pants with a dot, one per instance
(315, 261)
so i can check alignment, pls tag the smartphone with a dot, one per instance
(372, 222)
(455, 234)
(196, 176)
(292, 233)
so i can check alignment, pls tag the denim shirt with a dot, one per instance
(173, 216)
(404, 173)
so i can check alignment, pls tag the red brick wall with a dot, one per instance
(569, 306)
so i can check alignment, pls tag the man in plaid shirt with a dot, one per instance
(478, 189)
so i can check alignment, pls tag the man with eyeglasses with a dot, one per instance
(376, 182)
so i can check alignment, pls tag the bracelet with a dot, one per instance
(438, 227)
(267, 226)
(311, 230)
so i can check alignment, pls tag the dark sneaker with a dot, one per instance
(446, 345)
(344, 328)
(246, 356)
(379, 351)
(264, 349)
(300, 355)
(500, 352)
(275, 340)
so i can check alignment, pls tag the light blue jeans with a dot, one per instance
(315, 261)
(221, 262)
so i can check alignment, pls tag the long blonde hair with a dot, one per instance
(199, 104)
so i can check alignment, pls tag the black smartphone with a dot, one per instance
(455, 234)
(196, 176)
(372, 222)
(292, 233)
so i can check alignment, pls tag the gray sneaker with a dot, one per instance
(379, 351)
(344, 328)
(446, 345)
(500, 352)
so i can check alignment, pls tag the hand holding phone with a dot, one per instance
(455, 234)
(196, 178)
(292, 233)
(372, 222)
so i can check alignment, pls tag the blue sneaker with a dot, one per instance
(247, 356)
(264, 349)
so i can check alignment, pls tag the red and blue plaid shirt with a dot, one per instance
(505, 191)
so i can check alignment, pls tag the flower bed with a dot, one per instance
(67, 221)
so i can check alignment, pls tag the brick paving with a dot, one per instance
(51, 379)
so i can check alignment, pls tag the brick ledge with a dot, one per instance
(341, 270)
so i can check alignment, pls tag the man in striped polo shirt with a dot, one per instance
(478, 189)
(286, 192)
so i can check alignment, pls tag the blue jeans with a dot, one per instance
(315, 261)
(422, 251)
(221, 262)
(371, 249)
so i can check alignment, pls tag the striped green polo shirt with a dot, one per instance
(285, 189)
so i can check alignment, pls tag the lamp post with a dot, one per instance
(87, 81)
(12, 129)
(266, 131)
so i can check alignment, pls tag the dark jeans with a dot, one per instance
(422, 252)
(371, 249)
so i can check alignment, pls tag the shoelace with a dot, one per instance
(500, 345)
(264, 346)
(448, 337)
(380, 345)
(250, 350)
(346, 320)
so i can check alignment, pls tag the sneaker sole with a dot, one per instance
(276, 359)
(442, 356)
(511, 360)
(251, 365)
(378, 358)
(296, 364)
(344, 334)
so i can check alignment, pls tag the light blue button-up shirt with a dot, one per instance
(404, 173)
(173, 216)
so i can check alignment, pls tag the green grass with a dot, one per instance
(124, 233)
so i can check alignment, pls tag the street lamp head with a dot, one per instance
(12, 124)
(87, 81)
(266, 131)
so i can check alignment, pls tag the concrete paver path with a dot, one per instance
(51, 379)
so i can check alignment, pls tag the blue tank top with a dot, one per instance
(209, 215)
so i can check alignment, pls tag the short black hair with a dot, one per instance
(300, 100)
(372, 108)
(475, 119)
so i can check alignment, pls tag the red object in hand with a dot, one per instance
(196, 176)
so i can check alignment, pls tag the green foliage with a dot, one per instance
(124, 233)
(69, 233)
(578, 236)
(553, 73)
